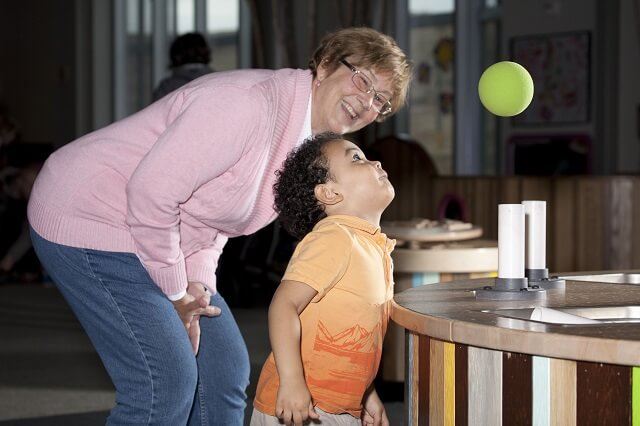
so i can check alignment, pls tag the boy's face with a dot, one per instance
(362, 184)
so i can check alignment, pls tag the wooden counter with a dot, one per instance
(465, 366)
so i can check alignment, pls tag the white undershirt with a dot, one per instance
(306, 126)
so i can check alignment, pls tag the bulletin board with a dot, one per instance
(560, 65)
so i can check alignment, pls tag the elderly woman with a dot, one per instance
(130, 220)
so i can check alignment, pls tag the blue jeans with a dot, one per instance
(144, 345)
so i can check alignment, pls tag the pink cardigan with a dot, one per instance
(172, 182)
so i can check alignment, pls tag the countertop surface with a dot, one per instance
(450, 312)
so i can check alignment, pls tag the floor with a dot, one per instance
(50, 374)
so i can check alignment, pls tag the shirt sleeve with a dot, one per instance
(201, 265)
(207, 137)
(320, 260)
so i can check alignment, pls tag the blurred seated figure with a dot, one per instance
(8, 136)
(19, 165)
(408, 165)
(402, 151)
(190, 57)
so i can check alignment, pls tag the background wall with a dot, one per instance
(628, 158)
(615, 59)
(37, 79)
(536, 17)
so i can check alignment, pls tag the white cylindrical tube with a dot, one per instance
(536, 225)
(510, 241)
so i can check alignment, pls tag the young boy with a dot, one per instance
(328, 317)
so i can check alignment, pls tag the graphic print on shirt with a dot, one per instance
(353, 354)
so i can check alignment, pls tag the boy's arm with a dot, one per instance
(288, 302)
(373, 412)
(293, 404)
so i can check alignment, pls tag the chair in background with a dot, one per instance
(409, 167)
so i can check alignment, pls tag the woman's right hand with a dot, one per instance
(293, 404)
(193, 304)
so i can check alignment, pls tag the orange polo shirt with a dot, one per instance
(347, 261)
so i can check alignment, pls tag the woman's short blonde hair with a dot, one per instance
(366, 48)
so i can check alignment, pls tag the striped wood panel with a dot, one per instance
(462, 385)
(563, 392)
(485, 386)
(541, 390)
(603, 394)
(424, 377)
(516, 389)
(455, 384)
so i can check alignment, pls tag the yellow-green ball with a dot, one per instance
(505, 88)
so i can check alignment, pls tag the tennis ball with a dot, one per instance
(505, 88)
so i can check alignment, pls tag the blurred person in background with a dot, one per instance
(190, 57)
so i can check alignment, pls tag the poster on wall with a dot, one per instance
(559, 64)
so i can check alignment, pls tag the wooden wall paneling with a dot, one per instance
(441, 188)
(485, 202)
(516, 389)
(461, 386)
(541, 390)
(416, 177)
(603, 394)
(635, 236)
(485, 386)
(390, 159)
(420, 181)
(618, 222)
(473, 201)
(408, 176)
(588, 218)
(563, 392)
(540, 188)
(562, 213)
(492, 220)
(510, 190)
(536, 188)
(461, 188)
(424, 201)
(590, 224)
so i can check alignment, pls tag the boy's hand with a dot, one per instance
(293, 404)
(374, 412)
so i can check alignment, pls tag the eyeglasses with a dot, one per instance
(381, 104)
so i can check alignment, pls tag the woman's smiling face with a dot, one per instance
(338, 105)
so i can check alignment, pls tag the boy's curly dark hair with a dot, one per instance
(295, 200)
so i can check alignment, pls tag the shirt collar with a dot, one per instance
(362, 225)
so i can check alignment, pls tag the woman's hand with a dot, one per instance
(293, 404)
(193, 304)
(374, 412)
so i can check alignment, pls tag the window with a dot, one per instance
(138, 54)
(491, 28)
(431, 41)
(431, 99)
(223, 24)
(143, 32)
